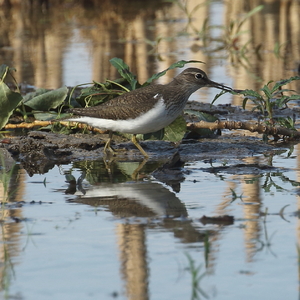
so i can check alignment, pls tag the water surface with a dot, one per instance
(112, 236)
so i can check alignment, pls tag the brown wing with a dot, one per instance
(126, 106)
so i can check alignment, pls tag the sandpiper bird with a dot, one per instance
(147, 109)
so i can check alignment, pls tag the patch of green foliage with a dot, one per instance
(32, 104)
(9, 100)
(272, 98)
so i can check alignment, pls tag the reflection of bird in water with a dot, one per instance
(141, 199)
(171, 172)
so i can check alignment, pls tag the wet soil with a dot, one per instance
(40, 151)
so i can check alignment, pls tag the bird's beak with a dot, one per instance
(220, 86)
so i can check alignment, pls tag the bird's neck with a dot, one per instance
(178, 91)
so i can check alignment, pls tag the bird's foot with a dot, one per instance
(108, 150)
(136, 143)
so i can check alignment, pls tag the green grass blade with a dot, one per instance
(218, 96)
(248, 15)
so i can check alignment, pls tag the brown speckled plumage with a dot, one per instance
(147, 109)
(133, 104)
(127, 106)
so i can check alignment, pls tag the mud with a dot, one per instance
(40, 151)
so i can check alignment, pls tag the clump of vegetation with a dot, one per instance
(272, 98)
(266, 101)
(37, 105)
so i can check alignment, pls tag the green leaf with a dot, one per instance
(250, 13)
(294, 97)
(218, 96)
(255, 97)
(245, 102)
(267, 91)
(281, 91)
(287, 122)
(281, 102)
(99, 92)
(123, 69)
(158, 135)
(284, 82)
(250, 94)
(178, 64)
(4, 69)
(9, 100)
(70, 178)
(176, 130)
(44, 100)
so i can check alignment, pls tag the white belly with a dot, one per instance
(154, 120)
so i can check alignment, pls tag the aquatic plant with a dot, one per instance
(196, 277)
(272, 98)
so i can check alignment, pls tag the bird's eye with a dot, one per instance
(199, 75)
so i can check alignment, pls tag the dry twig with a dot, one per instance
(253, 127)
(46, 123)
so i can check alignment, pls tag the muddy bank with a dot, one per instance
(40, 151)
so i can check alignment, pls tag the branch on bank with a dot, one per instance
(253, 127)
(47, 123)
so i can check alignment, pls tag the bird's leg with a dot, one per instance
(135, 173)
(108, 166)
(136, 143)
(107, 146)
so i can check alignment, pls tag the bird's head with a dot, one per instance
(195, 79)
